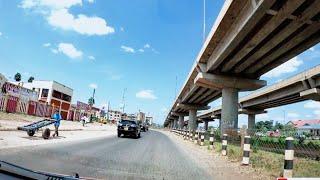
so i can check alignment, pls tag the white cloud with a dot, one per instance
(128, 49)
(287, 67)
(55, 51)
(147, 45)
(90, 1)
(57, 14)
(155, 51)
(121, 29)
(91, 57)
(312, 49)
(50, 4)
(317, 112)
(81, 24)
(164, 109)
(69, 50)
(146, 94)
(312, 105)
(46, 45)
(93, 86)
(141, 50)
(293, 115)
(0, 33)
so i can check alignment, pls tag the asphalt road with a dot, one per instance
(153, 156)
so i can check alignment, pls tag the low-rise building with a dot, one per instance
(307, 126)
(53, 93)
(149, 120)
(141, 117)
(114, 115)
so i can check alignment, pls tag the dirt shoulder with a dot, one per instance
(216, 165)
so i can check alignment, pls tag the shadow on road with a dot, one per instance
(41, 138)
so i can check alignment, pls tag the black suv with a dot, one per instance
(129, 127)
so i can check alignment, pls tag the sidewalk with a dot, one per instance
(68, 131)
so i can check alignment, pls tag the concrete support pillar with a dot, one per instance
(229, 115)
(251, 121)
(192, 119)
(175, 123)
(181, 121)
(206, 124)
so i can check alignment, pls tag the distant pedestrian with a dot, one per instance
(84, 120)
(57, 118)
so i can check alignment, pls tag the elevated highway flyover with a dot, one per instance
(301, 87)
(248, 39)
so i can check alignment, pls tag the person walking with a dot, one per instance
(84, 120)
(57, 118)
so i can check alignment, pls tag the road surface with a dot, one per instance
(153, 156)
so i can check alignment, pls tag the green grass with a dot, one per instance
(272, 163)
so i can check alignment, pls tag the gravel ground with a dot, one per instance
(153, 156)
(216, 165)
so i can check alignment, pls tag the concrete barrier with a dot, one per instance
(211, 140)
(246, 150)
(196, 134)
(201, 138)
(224, 144)
(288, 158)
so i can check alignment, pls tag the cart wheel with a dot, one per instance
(30, 132)
(46, 133)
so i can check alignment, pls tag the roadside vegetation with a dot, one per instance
(272, 163)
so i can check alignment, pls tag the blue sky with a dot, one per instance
(141, 45)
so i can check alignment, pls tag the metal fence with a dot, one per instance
(271, 145)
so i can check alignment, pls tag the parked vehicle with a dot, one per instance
(129, 128)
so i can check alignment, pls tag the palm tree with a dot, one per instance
(30, 79)
(17, 77)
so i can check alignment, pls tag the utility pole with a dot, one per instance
(108, 110)
(175, 89)
(204, 20)
(123, 99)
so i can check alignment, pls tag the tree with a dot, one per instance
(91, 101)
(17, 77)
(278, 126)
(264, 125)
(30, 79)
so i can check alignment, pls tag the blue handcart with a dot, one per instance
(33, 127)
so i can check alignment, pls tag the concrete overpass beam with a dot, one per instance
(230, 97)
(312, 94)
(221, 81)
(192, 106)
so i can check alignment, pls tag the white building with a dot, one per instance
(54, 93)
(149, 120)
(141, 116)
(114, 115)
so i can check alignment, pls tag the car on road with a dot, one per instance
(129, 128)
(144, 127)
